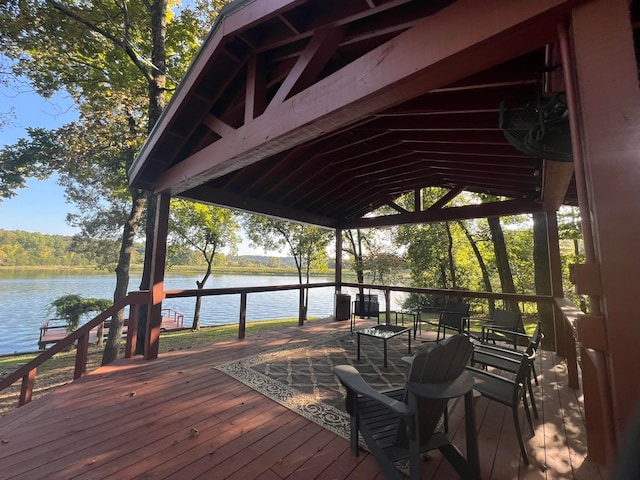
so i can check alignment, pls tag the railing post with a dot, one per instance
(132, 331)
(82, 352)
(387, 300)
(26, 388)
(242, 324)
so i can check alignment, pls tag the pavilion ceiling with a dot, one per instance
(254, 74)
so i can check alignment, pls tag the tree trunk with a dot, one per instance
(157, 100)
(502, 262)
(356, 253)
(542, 277)
(452, 263)
(200, 284)
(483, 266)
(195, 326)
(112, 347)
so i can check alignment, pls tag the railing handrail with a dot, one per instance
(24, 371)
(239, 290)
(27, 371)
(521, 297)
(421, 290)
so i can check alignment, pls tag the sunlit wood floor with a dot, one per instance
(177, 417)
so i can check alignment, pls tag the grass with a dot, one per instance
(58, 370)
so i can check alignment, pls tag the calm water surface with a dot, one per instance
(25, 298)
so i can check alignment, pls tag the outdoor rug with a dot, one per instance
(300, 377)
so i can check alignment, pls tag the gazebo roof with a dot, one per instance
(322, 111)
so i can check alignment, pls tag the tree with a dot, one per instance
(118, 60)
(206, 229)
(306, 244)
(486, 279)
(502, 261)
(72, 307)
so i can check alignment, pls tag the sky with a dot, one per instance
(41, 206)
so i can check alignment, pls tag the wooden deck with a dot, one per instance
(177, 417)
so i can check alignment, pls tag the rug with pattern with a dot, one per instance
(300, 377)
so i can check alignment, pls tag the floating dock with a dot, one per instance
(55, 329)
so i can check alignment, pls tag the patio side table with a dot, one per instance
(384, 332)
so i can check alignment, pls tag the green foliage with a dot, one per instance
(19, 248)
(307, 244)
(71, 307)
(201, 228)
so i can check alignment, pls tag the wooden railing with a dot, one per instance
(28, 371)
(243, 292)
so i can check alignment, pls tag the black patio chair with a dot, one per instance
(508, 392)
(403, 423)
(504, 326)
(507, 360)
(454, 317)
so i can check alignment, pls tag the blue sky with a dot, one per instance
(40, 207)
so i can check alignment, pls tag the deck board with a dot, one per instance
(179, 418)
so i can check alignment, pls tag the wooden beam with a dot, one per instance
(312, 60)
(396, 207)
(555, 182)
(224, 198)
(484, 210)
(255, 95)
(467, 37)
(446, 198)
(217, 126)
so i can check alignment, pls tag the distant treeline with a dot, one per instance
(18, 249)
(28, 249)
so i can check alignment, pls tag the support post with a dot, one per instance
(600, 53)
(338, 271)
(154, 322)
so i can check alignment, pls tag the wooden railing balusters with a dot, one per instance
(132, 331)
(26, 389)
(82, 353)
(135, 299)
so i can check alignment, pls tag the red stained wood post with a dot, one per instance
(26, 388)
(81, 356)
(387, 302)
(605, 61)
(154, 321)
(132, 331)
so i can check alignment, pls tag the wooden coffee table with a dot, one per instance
(384, 332)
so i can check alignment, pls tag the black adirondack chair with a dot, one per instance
(399, 425)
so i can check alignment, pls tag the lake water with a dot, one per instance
(25, 298)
